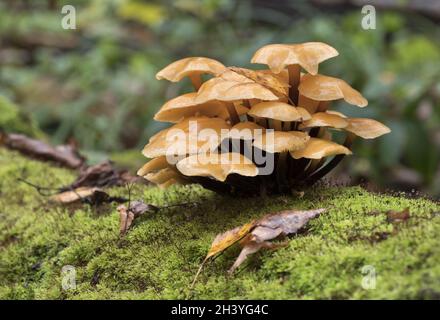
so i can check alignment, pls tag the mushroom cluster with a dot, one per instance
(279, 113)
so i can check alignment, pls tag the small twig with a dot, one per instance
(40, 189)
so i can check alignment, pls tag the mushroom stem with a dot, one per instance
(333, 163)
(294, 77)
(233, 115)
(310, 105)
(323, 106)
(282, 170)
(196, 80)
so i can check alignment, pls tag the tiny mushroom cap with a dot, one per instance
(325, 119)
(218, 166)
(317, 148)
(185, 106)
(366, 128)
(308, 55)
(280, 141)
(279, 111)
(177, 70)
(325, 88)
(190, 136)
(246, 131)
(153, 165)
(233, 90)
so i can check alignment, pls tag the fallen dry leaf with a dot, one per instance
(224, 240)
(127, 215)
(92, 195)
(271, 227)
(255, 234)
(265, 79)
(102, 175)
(64, 155)
(398, 216)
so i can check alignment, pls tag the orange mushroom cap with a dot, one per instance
(177, 70)
(317, 148)
(366, 128)
(325, 88)
(308, 55)
(280, 141)
(279, 111)
(218, 166)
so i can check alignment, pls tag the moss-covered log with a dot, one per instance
(160, 255)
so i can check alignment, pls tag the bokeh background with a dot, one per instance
(96, 85)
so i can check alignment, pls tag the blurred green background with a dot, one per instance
(97, 85)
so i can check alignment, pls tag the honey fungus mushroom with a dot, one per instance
(324, 88)
(294, 56)
(278, 112)
(192, 67)
(185, 106)
(178, 139)
(217, 166)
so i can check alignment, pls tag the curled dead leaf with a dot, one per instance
(128, 215)
(256, 234)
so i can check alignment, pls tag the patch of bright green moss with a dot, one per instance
(12, 120)
(160, 255)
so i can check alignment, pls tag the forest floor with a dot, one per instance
(352, 251)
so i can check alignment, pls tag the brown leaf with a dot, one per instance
(398, 216)
(224, 240)
(102, 175)
(127, 216)
(64, 155)
(75, 195)
(255, 234)
(91, 195)
(267, 80)
(271, 227)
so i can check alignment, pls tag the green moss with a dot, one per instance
(160, 255)
(12, 120)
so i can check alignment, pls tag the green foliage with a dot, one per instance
(160, 255)
(12, 120)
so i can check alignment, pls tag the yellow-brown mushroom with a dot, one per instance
(193, 67)
(217, 166)
(294, 56)
(325, 88)
(185, 106)
(316, 148)
(366, 128)
(280, 141)
(192, 135)
(325, 119)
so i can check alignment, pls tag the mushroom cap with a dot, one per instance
(317, 148)
(165, 177)
(153, 165)
(325, 88)
(178, 139)
(177, 70)
(218, 166)
(246, 130)
(184, 106)
(279, 111)
(233, 90)
(308, 55)
(325, 119)
(366, 128)
(280, 141)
